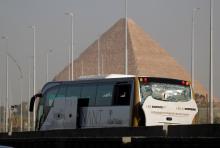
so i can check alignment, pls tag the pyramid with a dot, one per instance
(145, 56)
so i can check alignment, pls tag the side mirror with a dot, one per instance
(31, 108)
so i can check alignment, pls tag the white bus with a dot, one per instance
(114, 101)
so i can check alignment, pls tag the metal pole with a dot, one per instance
(34, 72)
(102, 65)
(71, 14)
(47, 63)
(33, 27)
(47, 68)
(98, 57)
(193, 48)
(21, 106)
(7, 98)
(21, 77)
(211, 62)
(29, 95)
(1, 114)
(6, 118)
(82, 70)
(126, 34)
(34, 75)
(69, 50)
(11, 120)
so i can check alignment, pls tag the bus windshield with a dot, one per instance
(165, 92)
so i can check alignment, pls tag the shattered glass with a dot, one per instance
(165, 92)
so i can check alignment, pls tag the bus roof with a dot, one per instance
(112, 76)
(109, 76)
(91, 77)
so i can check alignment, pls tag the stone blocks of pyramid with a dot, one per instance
(145, 56)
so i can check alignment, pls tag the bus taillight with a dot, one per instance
(183, 83)
(186, 83)
(145, 80)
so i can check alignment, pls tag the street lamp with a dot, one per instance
(21, 86)
(193, 47)
(69, 62)
(1, 113)
(29, 93)
(34, 70)
(6, 106)
(102, 65)
(21, 117)
(126, 39)
(211, 64)
(82, 70)
(8, 55)
(71, 15)
(98, 66)
(47, 62)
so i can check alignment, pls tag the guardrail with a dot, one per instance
(158, 136)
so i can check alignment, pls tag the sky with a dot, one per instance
(169, 22)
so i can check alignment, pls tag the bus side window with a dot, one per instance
(50, 95)
(61, 93)
(104, 95)
(57, 92)
(73, 92)
(122, 94)
(89, 92)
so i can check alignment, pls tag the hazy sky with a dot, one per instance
(169, 22)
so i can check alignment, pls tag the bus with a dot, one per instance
(114, 101)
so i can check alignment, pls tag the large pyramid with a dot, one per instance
(145, 56)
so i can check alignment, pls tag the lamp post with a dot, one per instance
(48, 62)
(34, 70)
(98, 49)
(21, 117)
(193, 47)
(126, 39)
(69, 62)
(7, 98)
(8, 55)
(6, 106)
(71, 15)
(102, 65)
(211, 63)
(82, 70)
(29, 94)
(2, 114)
(21, 86)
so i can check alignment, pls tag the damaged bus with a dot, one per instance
(114, 101)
